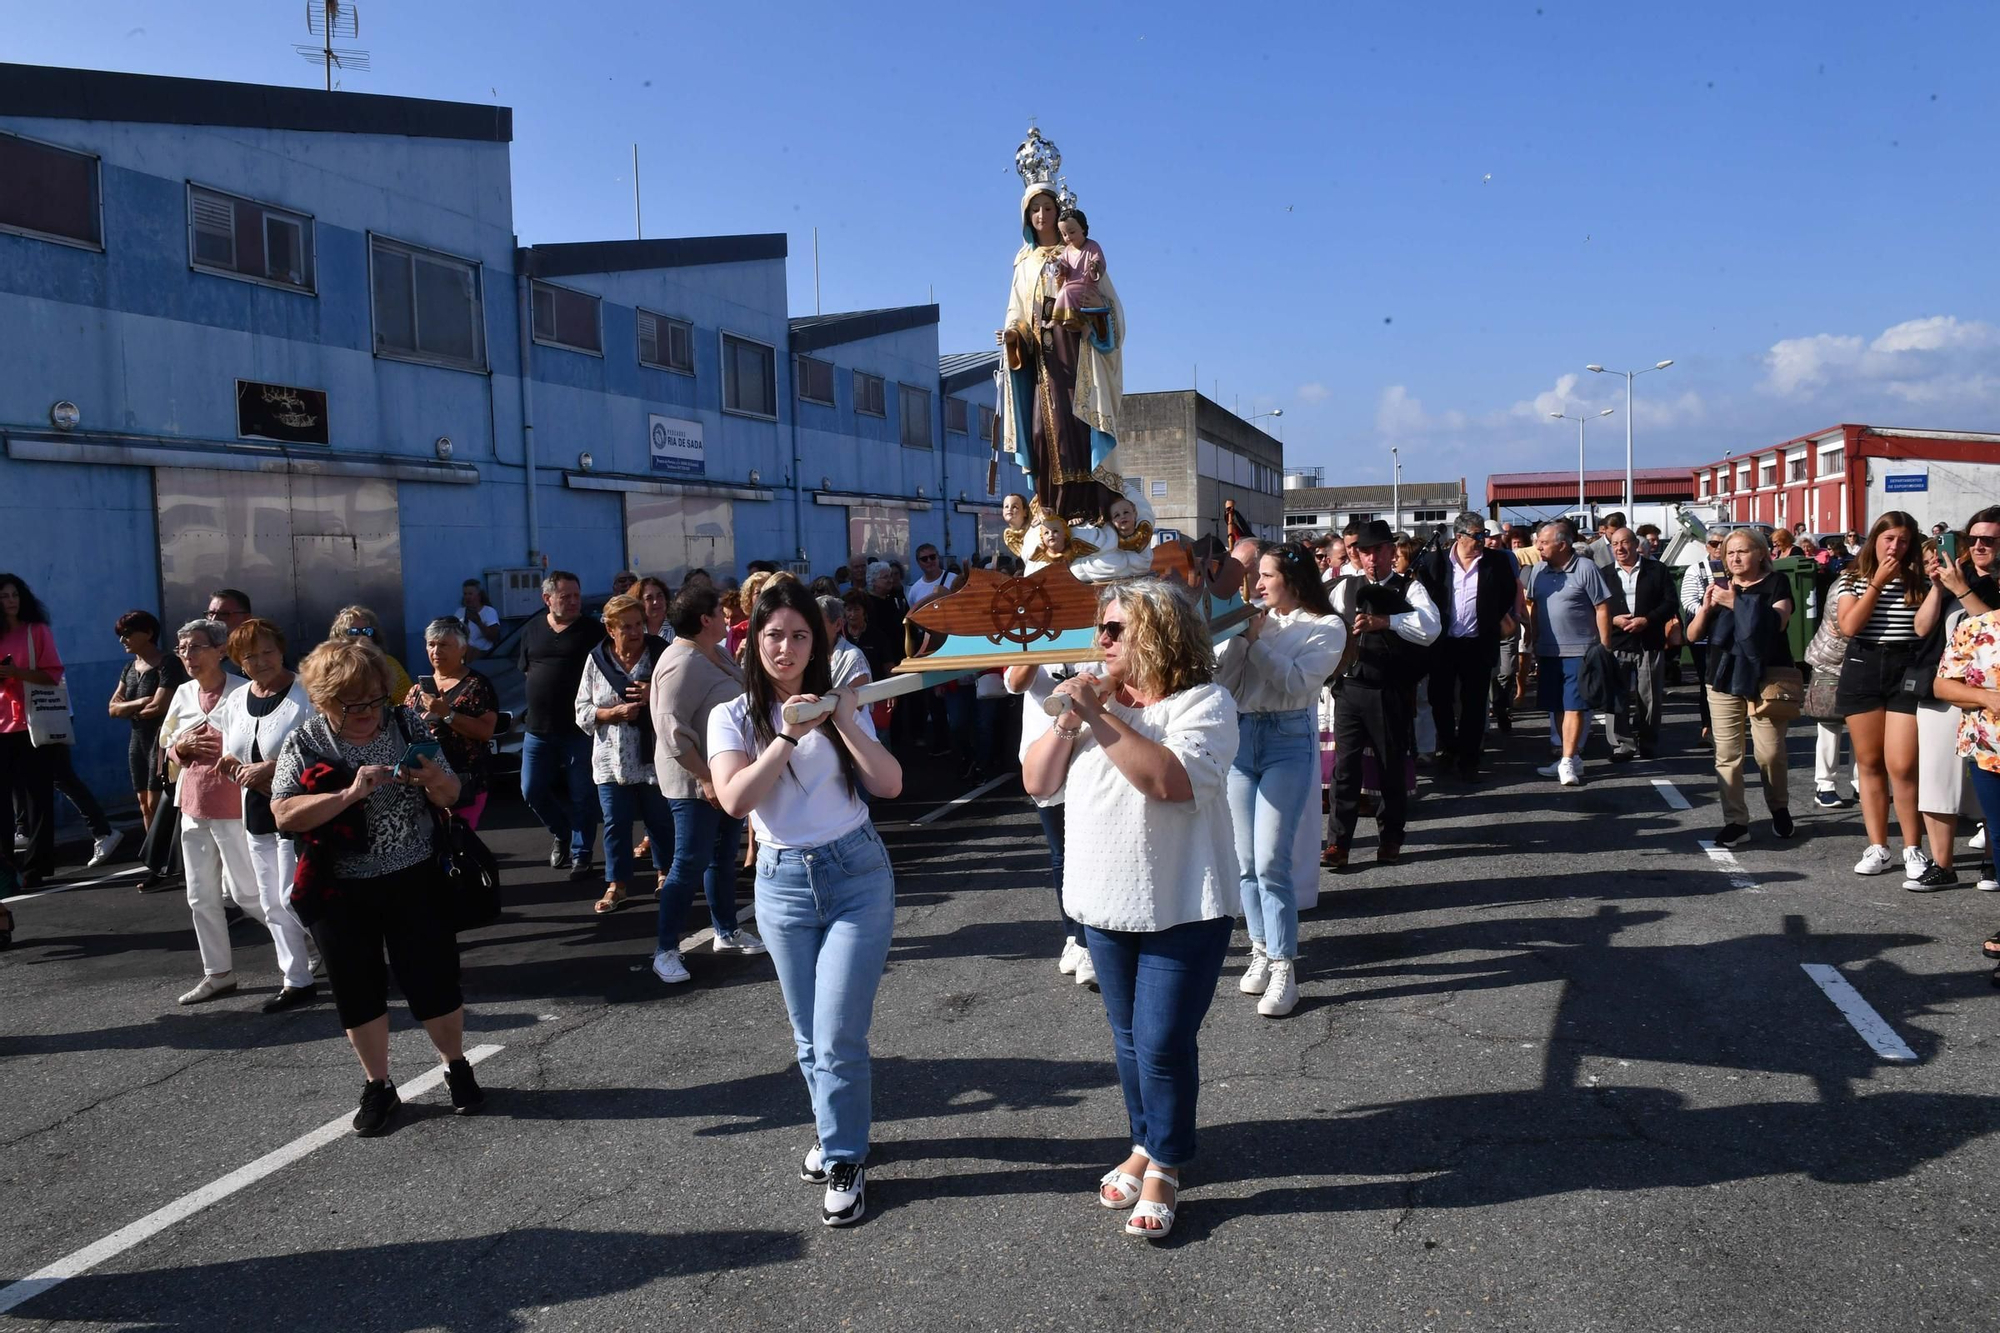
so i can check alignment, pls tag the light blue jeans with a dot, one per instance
(1272, 783)
(826, 913)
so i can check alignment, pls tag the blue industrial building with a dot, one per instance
(287, 341)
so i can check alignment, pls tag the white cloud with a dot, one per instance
(1399, 414)
(1937, 361)
(1314, 393)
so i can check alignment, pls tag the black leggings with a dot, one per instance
(405, 913)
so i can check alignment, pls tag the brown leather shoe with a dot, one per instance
(1388, 853)
(1334, 858)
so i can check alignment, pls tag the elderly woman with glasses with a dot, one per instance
(368, 888)
(463, 712)
(215, 848)
(611, 706)
(358, 622)
(1149, 867)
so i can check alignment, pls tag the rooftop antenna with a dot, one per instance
(326, 20)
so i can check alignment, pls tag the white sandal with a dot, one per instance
(1160, 1212)
(1125, 1183)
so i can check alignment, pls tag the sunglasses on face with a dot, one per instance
(1976, 539)
(1111, 630)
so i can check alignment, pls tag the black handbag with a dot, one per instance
(467, 869)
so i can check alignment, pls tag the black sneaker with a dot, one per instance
(466, 1095)
(1732, 834)
(581, 869)
(846, 1195)
(1935, 877)
(291, 997)
(1781, 823)
(378, 1107)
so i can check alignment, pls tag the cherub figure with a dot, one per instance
(1050, 541)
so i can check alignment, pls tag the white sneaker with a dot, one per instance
(222, 983)
(1259, 974)
(738, 941)
(20, 842)
(1875, 861)
(846, 1194)
(1071, 951)
(1977, 842)
(1553, 769)
(1915, 862)
(667, 967)
(1086, 971)
(1281, 996)
(102, 848)
(1987, 883)
(1570, 772)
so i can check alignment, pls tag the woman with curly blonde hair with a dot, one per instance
(358, 622)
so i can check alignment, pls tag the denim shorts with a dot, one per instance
(1876, 676)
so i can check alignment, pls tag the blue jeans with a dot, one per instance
(621, 803)
(706, 843)
(1052, 833)
(827, 913)
(1986, 789)
(1157, 985)
(1271, 785)
(556, 784)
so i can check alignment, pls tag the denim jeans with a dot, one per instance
(1052, 833)
(621, 803)
(556, 784)
(1986, 790)
(827, 913)
(1157, 986)
(1272, 783)
(706, 844)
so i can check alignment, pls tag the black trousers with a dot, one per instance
(1379, 718)
(1461, 678)
(25, 770)
(1699, 652)
(63, 775)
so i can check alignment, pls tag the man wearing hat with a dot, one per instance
(1392, 620)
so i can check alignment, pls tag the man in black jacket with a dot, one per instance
(1642, 602)
(1478, 596)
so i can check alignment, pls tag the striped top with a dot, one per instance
(1893, 620)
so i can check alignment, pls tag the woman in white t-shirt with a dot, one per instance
(481, 621)
(1149, 866)
(826, 896)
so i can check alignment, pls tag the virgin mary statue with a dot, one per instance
(1061, 381)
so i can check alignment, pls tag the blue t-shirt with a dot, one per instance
(1566, 602)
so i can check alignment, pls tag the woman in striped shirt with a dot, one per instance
(1884, 610)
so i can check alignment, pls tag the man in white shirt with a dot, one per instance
(850, 666)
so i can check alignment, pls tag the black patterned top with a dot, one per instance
(399, 822)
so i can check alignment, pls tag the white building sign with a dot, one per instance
(676, 446)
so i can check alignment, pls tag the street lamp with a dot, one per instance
(1582, 507)
(1629, 375)
(1274, 412)
(1395, 489)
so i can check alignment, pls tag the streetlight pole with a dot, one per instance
(1629, 375)
(1583, 507)
(1395, 489)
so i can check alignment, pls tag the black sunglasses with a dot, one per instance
(364, 630)
(1111, 630)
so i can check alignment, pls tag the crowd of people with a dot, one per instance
(315, 799)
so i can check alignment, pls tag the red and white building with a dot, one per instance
(1841, 478)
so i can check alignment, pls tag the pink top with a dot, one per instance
(1080, 266)
(204, 792)
(13, 695)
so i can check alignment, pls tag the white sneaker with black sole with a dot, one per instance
(812, 1169)
(846, 1195)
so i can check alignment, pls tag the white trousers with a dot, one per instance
(215, 857)
(275, 859)
(1826, 760)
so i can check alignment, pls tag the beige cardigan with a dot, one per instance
(687, 687)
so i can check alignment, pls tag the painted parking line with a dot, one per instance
(1861, 1015)
(76, 884)
(957, 801)
(1671, 794)
(152, 1224)
(1738, 876)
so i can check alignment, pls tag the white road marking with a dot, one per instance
(957, 801)
(1738, 876)
(1671, 794)
(87, 1258)
(1874, 1029)
(75, 884)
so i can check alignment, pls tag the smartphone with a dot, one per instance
(419, 751)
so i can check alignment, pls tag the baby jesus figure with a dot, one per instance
(1079, 268)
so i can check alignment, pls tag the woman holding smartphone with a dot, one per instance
(826, 895)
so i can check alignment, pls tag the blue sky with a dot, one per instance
(1405, 224)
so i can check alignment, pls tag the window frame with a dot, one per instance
(662, 323)
(97, 185)
(722, 337)
(417, 356)
(799, 361)
(989, 424)
(309, 229)
(882, 384)
(964, 407)
(551, 340)
(904, 416)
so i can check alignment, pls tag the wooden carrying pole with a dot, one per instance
(874, 692)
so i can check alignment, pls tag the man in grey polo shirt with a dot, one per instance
(1570, 612)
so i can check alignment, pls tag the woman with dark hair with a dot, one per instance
(1885, 613)
(656, 599)
(1962, 587)
(477, 618)
(27, 657)
(145, 687)
(1275, 670)
(825, 890)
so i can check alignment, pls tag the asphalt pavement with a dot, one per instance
(1562, 1068)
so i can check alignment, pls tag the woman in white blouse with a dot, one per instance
(1276, 669)
(612, 708)
(1149, 869)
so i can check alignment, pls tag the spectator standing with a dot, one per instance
(1571, 612)
(825, 889)
(612, 709)
(463, 712)
(1695, 581)
(1743, 620)
(28, 656)
(555, 756)
(1963, 588)
(360, 622)
(694, 678)
(370, 887)
(145, 687)
(255, 722)
(479, 621)
(230, 607)
(1150, 873)
(1969, 679)
(622, 583)
(1478, 596)
(850, 664)
(1642, 602)
(655, 598)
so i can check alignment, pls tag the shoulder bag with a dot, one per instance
(467, 870)
(1824, 655)
(49, 721)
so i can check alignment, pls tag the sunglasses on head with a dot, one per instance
(368, 630)
(1111, 630)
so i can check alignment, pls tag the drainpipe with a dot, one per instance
(798, 468)
(943, 438)
(524, 315)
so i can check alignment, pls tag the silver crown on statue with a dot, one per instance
(1037, 161)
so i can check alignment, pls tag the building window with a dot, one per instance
(50, 193)
(1767, 474)
(1360, 517)
(815, 380)
(1159, 489)
(1301, 520)
(749, 378)
(427, 305)
(954, 415)
(914, 405)
(869, 397)
(245, 239)
(1430, 516)
(1797, 469)
(1703, 479)
(989, 423)
(1832, 462)
(566, 318)
(666, 343)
